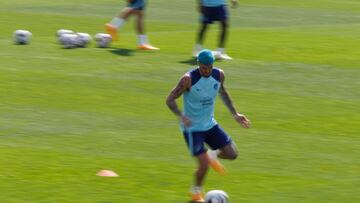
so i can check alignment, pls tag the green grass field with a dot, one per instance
(66, 114)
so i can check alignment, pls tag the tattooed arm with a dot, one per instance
(240, 118)
(183, 85)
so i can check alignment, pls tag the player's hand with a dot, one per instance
(240, 118)
(186, 121)
(234, 3)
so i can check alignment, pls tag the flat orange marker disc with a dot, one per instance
(107, 173)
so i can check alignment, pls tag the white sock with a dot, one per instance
(117, 22)
(143, 39)
(196, 189)
(213, 154)
(221, 50)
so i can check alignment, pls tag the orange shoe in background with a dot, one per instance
(147, 47)
(112, 31)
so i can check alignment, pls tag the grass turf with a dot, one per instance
(66, 114)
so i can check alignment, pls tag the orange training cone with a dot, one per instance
(107, 173)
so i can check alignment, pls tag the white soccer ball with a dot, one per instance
(102, 40)
(216, 196)
(83, 39)
(69, 41)
(22, 37)
(63, 31)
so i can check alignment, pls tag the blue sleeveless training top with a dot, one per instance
(213, 3)
(199, 101)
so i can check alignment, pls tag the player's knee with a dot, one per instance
(230, 152)
(233, 155)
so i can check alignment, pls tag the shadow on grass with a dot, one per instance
(123, 52)
(191, 61)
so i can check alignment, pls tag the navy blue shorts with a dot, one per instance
(211, 14)
(137, 4)
(215, 138)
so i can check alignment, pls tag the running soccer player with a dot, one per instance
(199, 88)
(213, 10)
(134, 7)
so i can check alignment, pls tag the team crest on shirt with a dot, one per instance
(216, 86)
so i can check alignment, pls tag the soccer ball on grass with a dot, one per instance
(83, 39)
(63, 31)
(103, 40)
(69, 41)
(216, 196)
(22, 37)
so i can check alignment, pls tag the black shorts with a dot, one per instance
(137, 4)
(215, 137)
(211, 14)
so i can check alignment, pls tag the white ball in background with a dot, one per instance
(63, 31)
(103, 40)
(68, 41)
(22, 37)
(83, 39)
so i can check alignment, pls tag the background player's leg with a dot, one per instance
(139, 23)
(143, 41)
(200, 38)
(223, 34)
(222, 40)
(117, 22)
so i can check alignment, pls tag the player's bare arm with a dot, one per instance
(183, 85)
(240, 118)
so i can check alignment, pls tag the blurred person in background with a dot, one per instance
(213, 10)
(134, 7)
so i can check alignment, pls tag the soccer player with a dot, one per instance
(199, 88)
(134, 7)
(213, 10)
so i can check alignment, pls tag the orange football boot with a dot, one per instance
(147, 47)
(218, 167)
(215, 164)
(197, 197)
(112, 31)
